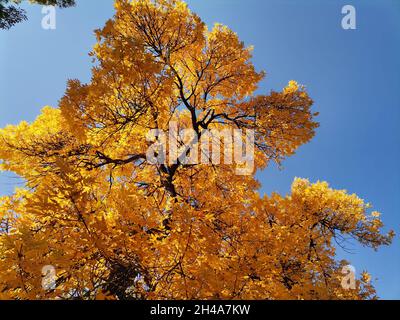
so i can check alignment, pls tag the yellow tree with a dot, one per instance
(115, 225)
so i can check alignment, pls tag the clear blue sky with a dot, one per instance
(353, 76)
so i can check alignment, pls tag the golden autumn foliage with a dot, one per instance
(116, 227)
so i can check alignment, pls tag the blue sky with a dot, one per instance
(352, 75)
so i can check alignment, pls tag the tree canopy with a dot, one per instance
(115, 226)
